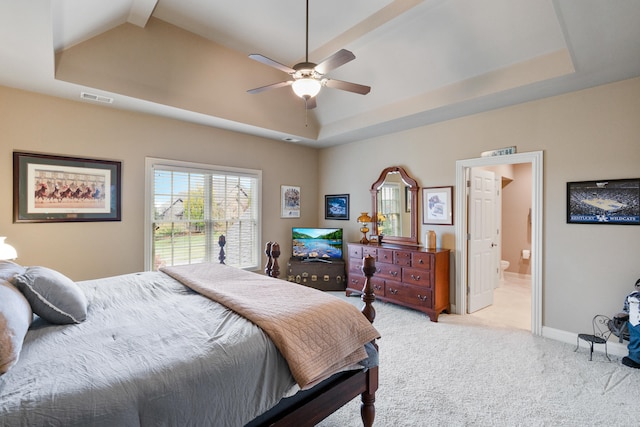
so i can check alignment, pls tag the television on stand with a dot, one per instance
(316, 244)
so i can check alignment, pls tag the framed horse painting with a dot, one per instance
(48, 188)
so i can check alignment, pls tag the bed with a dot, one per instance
(169, 348)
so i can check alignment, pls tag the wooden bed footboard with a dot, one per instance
(316, 404)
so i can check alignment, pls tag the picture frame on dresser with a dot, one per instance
(52, 188)
(336, 206)
(437, 205)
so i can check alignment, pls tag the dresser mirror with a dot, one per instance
(394, 201)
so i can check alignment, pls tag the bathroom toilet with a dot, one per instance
(503, 266)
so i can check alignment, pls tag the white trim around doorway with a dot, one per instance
(460, 209)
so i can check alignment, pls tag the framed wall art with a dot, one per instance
(612, 201)
(437, 205)
(48, 188)
(289, 201)
(336, 206)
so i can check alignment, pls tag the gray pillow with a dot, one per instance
(9, 269)
(15, 318)
(52, 295)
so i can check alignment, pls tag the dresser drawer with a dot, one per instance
(388, 271)
(411, 295)
(402, 258)
(357, 283)
(385, 255)
(378, 286)
(422, 260)
(355, 266)
(369, 250)
(416, 276)
(355, 251)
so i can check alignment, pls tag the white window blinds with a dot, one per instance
(192, 205)
(390, 206)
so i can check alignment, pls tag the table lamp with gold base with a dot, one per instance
(364, 219)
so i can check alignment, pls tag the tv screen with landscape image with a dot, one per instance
(317, 243)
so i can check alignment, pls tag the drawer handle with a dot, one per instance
(377, 287)
(378, 270)
(416, 278)
(423, 298)
(393, 291)
(393, 273)
(420, 261)
(354, 281)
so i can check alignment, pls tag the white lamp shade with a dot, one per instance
(7, 251)
(306, 88)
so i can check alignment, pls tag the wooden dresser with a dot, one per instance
(414, 277)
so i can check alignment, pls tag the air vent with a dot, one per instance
(96, 98)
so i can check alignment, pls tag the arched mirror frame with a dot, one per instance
(413, 188)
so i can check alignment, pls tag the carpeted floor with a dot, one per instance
(461, 372)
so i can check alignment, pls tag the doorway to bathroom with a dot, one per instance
(477, 281)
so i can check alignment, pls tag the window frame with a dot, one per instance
(153, 163)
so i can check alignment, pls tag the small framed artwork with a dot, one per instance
(336, 206)
(48, 188)
(289, 201)
(612, 201)
(437, 205)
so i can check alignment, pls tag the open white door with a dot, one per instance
(461, 210)
(482, 239)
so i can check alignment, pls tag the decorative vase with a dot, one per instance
(430, 239)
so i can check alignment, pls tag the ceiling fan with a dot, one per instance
(308, 78)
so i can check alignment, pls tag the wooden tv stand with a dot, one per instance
(417, 278)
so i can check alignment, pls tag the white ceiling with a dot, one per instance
(426, 60)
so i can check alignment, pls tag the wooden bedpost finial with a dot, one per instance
(269, 264)
(275, 253)
(368, 296)
(221, 242)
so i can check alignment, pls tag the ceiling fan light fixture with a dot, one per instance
(306, 87)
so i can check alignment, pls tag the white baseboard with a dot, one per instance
(614, 348)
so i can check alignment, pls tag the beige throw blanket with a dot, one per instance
(317, 333)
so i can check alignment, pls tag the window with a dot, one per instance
(189, 206)
(389, 205)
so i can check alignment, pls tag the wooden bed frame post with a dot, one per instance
(269, 264)
(275, 254)
(221, 242)
(368, 397)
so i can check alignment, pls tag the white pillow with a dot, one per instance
(15, 318)
(52, 295)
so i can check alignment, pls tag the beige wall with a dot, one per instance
(30, 122)
(589, 134)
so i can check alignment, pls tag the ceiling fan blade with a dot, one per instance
(339, 58)
(349, 87)
(271, 86)
(311, 103)
(270, 62)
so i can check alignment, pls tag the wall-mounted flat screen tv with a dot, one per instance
(317, 243)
